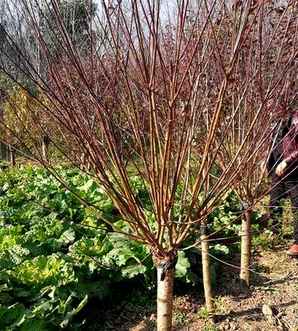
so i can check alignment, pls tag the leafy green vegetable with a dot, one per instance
(55, 253)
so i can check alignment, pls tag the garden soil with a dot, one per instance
(270, 304)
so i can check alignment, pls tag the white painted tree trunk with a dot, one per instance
(206, 273)
(245, 249)
(44, 151)
(164, 299)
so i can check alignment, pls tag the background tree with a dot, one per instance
(76, 19)
(268, 57)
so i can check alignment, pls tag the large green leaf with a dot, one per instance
(182, 265)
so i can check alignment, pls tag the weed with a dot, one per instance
(203, 313)
(209, 326)
(181, 318)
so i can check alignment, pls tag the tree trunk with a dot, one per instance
(164, 298)
(45, 148)
(44, 151)
(12, 156)
(245, 249)
(206, 269)
(3, 151)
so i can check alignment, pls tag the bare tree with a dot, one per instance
(269, 58)
(138, 99)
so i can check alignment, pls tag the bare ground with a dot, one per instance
(270, 304)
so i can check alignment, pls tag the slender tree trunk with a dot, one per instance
(83, 158)
(245, 249)
(86, 161)
(206, 269)
(164, 299)
(44, 150)
(12, 156)
(3, 150)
